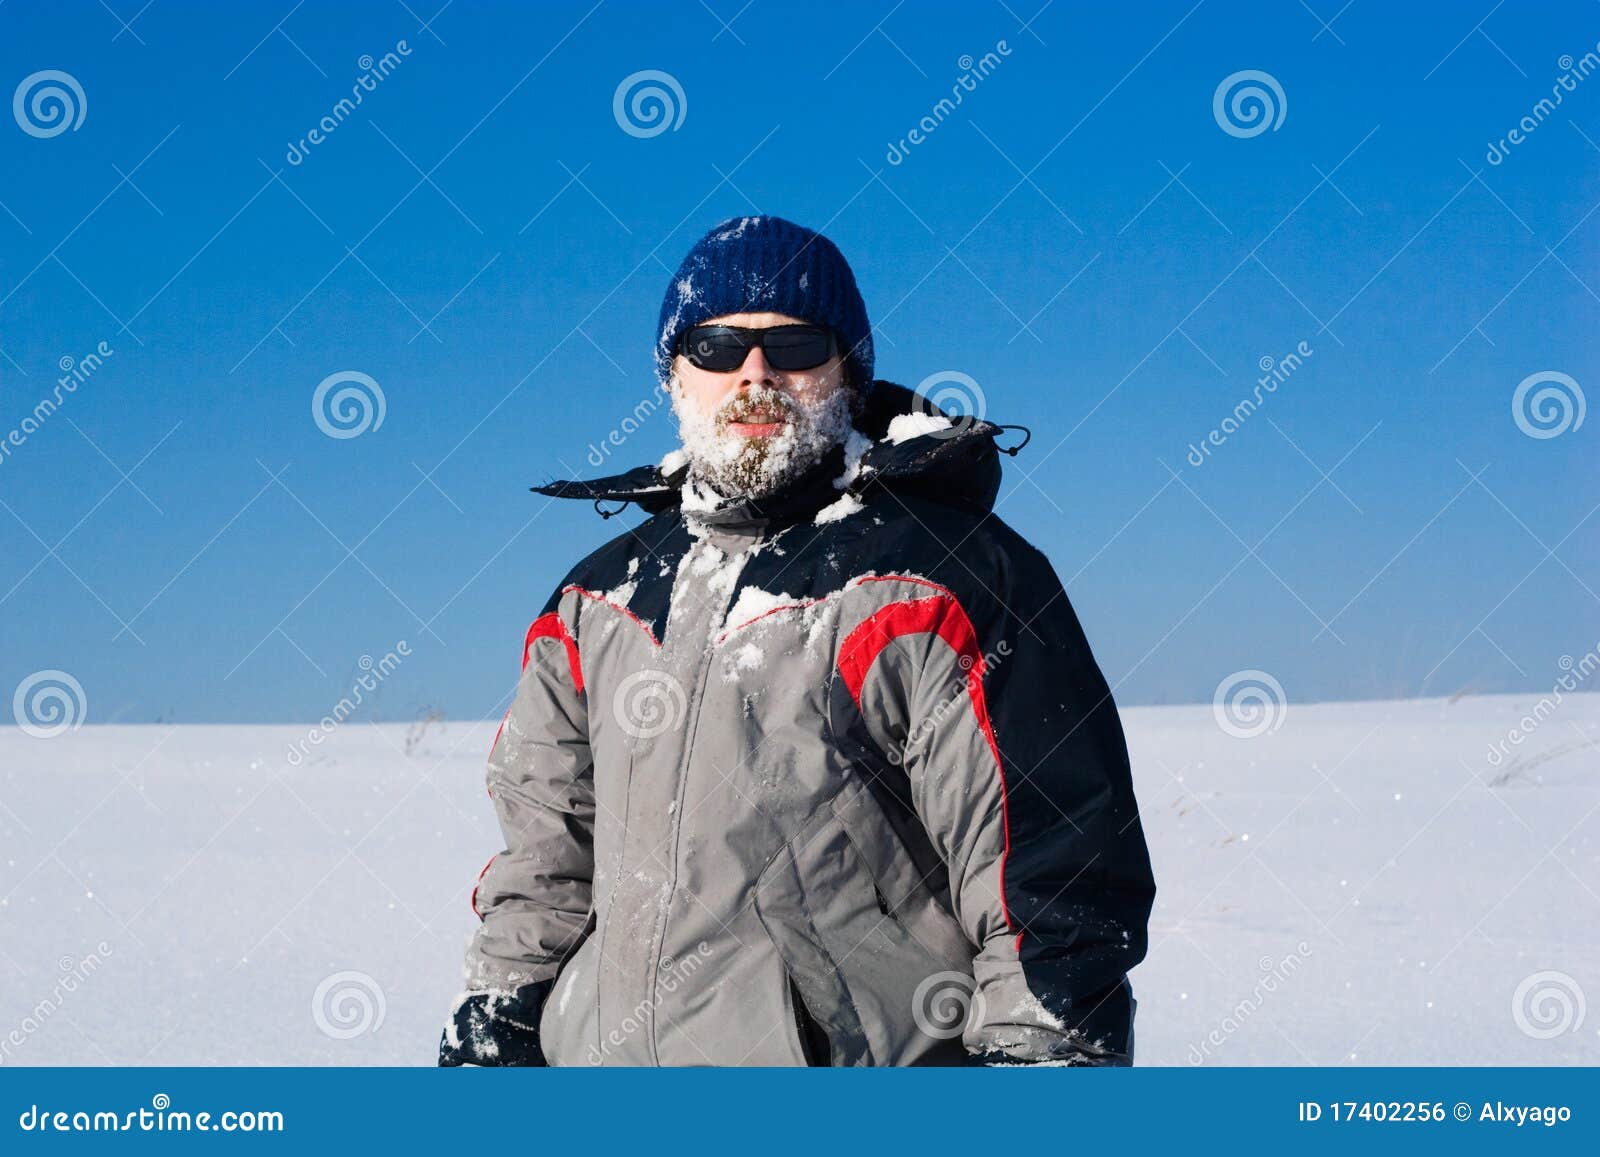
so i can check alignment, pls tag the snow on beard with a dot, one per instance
(739, 467)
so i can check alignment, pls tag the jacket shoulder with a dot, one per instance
(978, 555)
(645, 555)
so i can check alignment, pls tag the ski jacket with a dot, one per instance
(830, 778)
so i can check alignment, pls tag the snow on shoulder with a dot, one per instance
(904, 427)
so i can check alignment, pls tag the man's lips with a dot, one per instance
(760, 421)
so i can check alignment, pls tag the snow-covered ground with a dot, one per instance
(1361, 885)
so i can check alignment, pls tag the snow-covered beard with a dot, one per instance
(739, 467)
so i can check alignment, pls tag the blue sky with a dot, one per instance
(1082, 236)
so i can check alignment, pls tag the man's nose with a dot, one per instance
(755, 371)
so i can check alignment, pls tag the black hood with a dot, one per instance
(959, 468)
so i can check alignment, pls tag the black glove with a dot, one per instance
(495, 1028)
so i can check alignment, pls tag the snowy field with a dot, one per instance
(1363, 885)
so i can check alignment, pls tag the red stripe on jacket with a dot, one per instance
(940, 614)
(552, 626)
(547, 626)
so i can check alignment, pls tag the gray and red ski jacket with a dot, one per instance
(830, 778)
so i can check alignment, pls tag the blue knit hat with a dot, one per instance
(767, 265)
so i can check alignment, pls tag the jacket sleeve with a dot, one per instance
(534, 896)
(1017, 767)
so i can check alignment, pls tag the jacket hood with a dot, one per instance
(957, 467)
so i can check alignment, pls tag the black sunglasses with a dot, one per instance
(722, 348)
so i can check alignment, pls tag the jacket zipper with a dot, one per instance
(692, 727)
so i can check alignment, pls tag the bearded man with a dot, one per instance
(813, 766)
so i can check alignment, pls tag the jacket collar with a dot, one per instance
(959, 467)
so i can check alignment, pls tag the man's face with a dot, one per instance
(751, 430)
